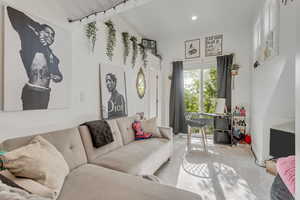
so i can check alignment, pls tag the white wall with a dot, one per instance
(85, 69)
(87, 64)
(273, 84)
(235, 41)
(297, 74)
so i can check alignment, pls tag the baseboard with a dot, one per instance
(261, 163)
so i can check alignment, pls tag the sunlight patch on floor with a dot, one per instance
(211, 179)
(224, 173)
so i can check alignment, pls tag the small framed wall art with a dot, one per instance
(214, 45)
(151, 45)
(192, 49)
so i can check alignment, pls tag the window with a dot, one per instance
(200, 90)
(271, 16)
(271, 29)
(266, 32)
(257, 37)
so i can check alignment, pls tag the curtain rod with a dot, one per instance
(202, 60)
(114, 7)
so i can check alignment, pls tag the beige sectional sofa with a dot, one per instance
(98, 174)
(127, 155)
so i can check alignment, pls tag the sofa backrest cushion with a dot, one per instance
(67, 142)
(125, 126)
(92, 152)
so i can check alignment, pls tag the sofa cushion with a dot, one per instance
(142, 157)
(150, 126)
(101, 183)
(30, 185)
(13, 193)
(9, 182)
(166, 132)
(40, 161)
(91, 151)
(125, 127)
(67, 142)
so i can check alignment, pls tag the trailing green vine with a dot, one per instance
(91, 33)
(111, 39)
(125, 36)
(134, 50)
(144, 54)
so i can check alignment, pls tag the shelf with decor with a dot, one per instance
(239, 123)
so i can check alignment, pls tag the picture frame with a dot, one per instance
(37, 63)
(150, 44)
(214, 45)
(113, 91)
(192, 49)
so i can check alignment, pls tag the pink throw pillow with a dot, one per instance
(286, 170)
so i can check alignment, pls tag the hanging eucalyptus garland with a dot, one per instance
(134, 50)
(125, 36)
(111, 39)
(144, 54)
(91, 33)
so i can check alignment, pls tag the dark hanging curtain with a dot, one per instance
(177, 107)
(224, 78)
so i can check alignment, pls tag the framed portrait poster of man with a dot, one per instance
(214, 45)
(37, 63)
(113, 93)
(192, 49)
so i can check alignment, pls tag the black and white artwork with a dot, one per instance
(214, 45)
(37, 62)
(150, 44)
(113, 92)
(192, 49)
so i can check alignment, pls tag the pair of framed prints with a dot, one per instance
(213, 47)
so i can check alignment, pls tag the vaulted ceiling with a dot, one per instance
(76, 9)
(164, 19)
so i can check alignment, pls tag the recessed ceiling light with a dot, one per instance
(194, 18)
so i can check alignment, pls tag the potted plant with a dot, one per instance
(235, 69)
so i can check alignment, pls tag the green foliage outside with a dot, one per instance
(192, 92)
(210, 92)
